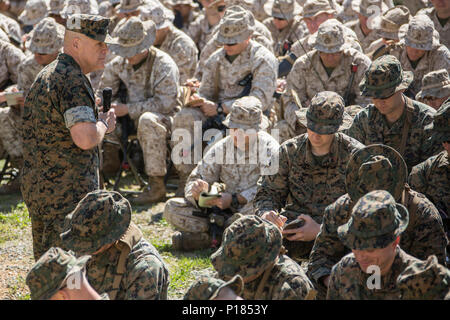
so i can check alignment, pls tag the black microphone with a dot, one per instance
(107, 95)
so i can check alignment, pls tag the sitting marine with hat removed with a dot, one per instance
(371, 168)
(310, 175)
(377, 268)
(252, 248)
(123, 263)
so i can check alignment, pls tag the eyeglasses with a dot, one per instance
(221, 8)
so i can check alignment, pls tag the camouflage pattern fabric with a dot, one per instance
(237, 25)
(10, 58)
(92, 26)
(11, 29)
(28, 70)
(72, 7)
(364, 40)
(34, 11)
(47, 37)
(208, 288)
(391, 21)
(444, 35)
(251, 247)
(349, 282)
(200, 31)
(10, 126)
(435, 84)
(246, 113)
(56, 174)
(49, 274)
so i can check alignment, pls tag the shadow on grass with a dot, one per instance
(10, 200)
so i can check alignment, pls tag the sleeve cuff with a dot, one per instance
(79, 114)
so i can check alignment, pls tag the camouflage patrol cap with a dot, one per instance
(420, 33)
(56, 6)
(441, 123)
(92, 26)
(246, 113)
(376, 221)
(236, 26)
(312, 8)
(47, 37)
(391, 21)
(384, 78)
(208, 288)
(365, 9)
(325, 114)
(50, 272)
(127, 6)
(435, 84)
(376, 167)
(282, 9)
(330, 37)
(79, 7)
(133, 37)
(250, 245)
(35, 11)
(100, 218)
(424, 280)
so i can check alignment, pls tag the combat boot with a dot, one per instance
(155, 192)
(189, 241)
(181, 184)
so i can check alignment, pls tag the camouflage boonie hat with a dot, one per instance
(391, 21)
(424, 280)
(50, 272)
(160, 17)
(282, 9)
(384, 78)
(79, 7)
(250, 245)
(133, 37)
(330, 37)
(325, 114)
(441, 123)
(47, 37)
(127, 6)
(92, 26)
(419, 33)
(189, 2)
(106, 9)
(236, 26)
(100, 218)
(376, 167)
(435, 84)
(56, 6)
(376, 221)
(364, 7)
(312, 8)
(207, 288)
(246, 113)
(35, 11)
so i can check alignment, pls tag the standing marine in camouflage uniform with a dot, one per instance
(175, 43)
(419, 51)
(310, 175)
(238, 60)
(123, 263)
(59, 275)
(61, 160)
(252, 248)
(435, 89)
(152, 80)
(231, 162)
(440, 14)
(431, 177)
(376, 167)
(393, 119)
(373, 234)
(209, 288)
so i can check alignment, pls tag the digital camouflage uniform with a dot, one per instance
(193, 14)
(51, 272)
(376, 221)
(383, 79)
(34, 11)
(10, 30)
(220, 80)
(436, 85)
(442, 30)
(208, 288)
(304, 183)
(56, 173)
(176, 44)
(10, 58)
(236, 170)
(152, 97)
(199, 30)
(252, 248)
(102, 218)
(376, 167)
(420, 34)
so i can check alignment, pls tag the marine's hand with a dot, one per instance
(209, 108)
(306, 233)
(224, 202)
(110, 118)
(275, 218)
(121, 109)
(198, 187)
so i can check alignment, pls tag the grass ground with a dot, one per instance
(16, 253)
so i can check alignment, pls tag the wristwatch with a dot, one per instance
(234, 201)
(219, 108)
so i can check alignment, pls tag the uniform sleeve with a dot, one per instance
(25, 77)
(208, 86)
(13, 58)
(295, 85)
(356, 131)
(206, 52)
(333, 286)
(296, 288)
(185, 54)
(363, 63)
(418, 177)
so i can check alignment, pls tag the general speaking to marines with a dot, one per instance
(62, 129)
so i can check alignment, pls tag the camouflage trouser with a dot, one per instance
(179, 213)
(184, 119)
(153, 132)
(45, 233)
(10, 138)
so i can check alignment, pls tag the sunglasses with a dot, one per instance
(221, 8)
